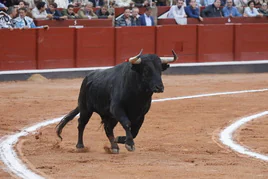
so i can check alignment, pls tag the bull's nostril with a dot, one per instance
(158, 89)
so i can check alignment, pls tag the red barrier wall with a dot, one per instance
(81, 22)
(215, 43)
(18, 49)
(130, 40)
(69, 47)
(180, 38)
(251, 42)
(217, 20)
(56, 48)
(95, 47)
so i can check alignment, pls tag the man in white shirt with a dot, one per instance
(177, 11)
(39, 12)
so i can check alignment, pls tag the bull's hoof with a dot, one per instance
(130, 148)
(111, 151)
(82, 150)
(80, 146)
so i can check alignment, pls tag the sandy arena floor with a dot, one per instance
(179, 139)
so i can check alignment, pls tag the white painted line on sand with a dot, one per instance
(16, 166)
(9, 156)
(226, 136)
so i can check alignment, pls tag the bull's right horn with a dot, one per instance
(170, 59)
(136, 59)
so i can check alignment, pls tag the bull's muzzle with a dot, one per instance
(158, 89)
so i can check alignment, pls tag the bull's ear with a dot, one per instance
(165, 66)
(136, 67)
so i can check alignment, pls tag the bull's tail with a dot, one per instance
(65, 120)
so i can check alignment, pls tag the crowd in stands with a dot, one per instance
(219, 8)
(21, 13)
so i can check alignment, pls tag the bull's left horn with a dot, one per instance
(136, 59)
(170, 59)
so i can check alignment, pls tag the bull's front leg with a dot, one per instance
(135, 127)
(121, 116)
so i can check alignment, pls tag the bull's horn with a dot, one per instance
(170, 59)
(136, 59)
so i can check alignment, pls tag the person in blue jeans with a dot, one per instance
(192, 10)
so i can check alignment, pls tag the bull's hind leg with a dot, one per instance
(109, 124)
(83, 120)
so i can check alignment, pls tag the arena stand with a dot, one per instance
(100, 44)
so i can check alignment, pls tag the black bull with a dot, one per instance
(120, 94)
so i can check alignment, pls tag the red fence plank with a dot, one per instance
(215, 43)
(181, 38)
(18, 49)
(130, 40)
(56, 48)
(95, 47)
(251, 42)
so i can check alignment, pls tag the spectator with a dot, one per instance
(79, 3)
(193, 11)
(97, 3)
(177, 11)
(39, 12)
(87, 12)
(208, 2)
(230, 11)
(240, 4)
(263, 1)
(25, 22)
(111, 7)
(141, 3)
(21, 4)
(103, 13)
(251, 11)
(125, 20)
(198, 3)
(213, 10)
(263, 9)
(2, 6)
(135, 17)
(62, 3)
(146, 18)
(124, 3)
(257, 3)
(6, 19)
(52, 9)
(223, 2)
(69, 12)
(30, 3)
(8, 3)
